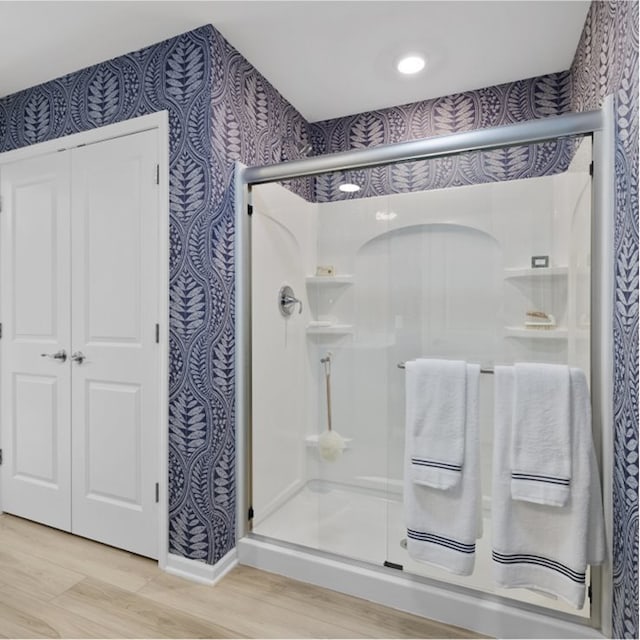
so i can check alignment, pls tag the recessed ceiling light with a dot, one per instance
(349, 187)
(383, 216)
(411, 64)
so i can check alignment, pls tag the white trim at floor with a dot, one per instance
(199, 571)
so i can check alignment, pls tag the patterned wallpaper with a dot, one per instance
(476, 167)
(605, 63)
(220, 109)
(489, 107)
(251, 122)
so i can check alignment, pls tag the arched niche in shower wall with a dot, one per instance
(431, 289)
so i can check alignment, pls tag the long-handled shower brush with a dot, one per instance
(330, 444)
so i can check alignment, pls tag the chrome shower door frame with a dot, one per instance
(598, 123)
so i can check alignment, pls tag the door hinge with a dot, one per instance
(0, 204)
(157, 174)
(157, 334)
(250, 209)
(157, 492)
(590, 593)
(0, 329)
(0, 456)
(591, 169)
(250, 514)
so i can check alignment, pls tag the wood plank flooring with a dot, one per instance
(55, 585)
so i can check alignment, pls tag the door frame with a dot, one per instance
(159, 122)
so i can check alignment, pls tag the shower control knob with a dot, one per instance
(287, 301)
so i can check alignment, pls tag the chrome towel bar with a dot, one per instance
(401, 365)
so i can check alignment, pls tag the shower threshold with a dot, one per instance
(361, 523)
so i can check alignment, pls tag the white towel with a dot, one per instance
(435, 394)
(542, 547)
(442, 526)
(540, 442)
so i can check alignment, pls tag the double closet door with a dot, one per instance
(79, 386)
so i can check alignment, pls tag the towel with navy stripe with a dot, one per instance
(540, 561)
(442, 490)
(541, 434)
(435, 415)
(546, 541)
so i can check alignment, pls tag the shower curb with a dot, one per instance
(481, 614)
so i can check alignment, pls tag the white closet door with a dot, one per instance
(35, 311)
(115, 396)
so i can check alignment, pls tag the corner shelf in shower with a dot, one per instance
(330, 280)
(536, 334)
(546, 272)
(331, 330)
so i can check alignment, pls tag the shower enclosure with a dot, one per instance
(495, 270)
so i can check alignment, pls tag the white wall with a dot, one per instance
(283, 245)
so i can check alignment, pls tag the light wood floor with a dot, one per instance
(55, 585)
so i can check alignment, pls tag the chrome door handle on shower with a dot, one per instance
(78, 356)
(58, 355)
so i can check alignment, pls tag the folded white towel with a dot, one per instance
(442, 526)
(540, 442)
(541, 547)
(435, 403)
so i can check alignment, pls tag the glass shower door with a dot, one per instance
(464, 286)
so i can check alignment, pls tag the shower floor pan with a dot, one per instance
(367, 525)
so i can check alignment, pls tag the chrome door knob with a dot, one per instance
(58, 355)
(78, 356)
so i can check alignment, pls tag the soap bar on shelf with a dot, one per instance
(539, 320)
(539, 325)
(325, 270)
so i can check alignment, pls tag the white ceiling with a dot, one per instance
(328, 58)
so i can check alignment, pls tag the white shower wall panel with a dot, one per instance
(428, 281)
(283, 247)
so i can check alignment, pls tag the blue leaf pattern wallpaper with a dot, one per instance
(222, 110)
(538, 97)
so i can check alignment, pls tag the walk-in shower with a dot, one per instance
(484, 256)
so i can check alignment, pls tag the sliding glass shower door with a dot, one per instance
(346, 289)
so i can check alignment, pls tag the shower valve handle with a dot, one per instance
(291, 300)
(287, 300)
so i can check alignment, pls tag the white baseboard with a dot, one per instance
(198, 571)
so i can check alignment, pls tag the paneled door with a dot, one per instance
(95, 425)
(35, 407)
(115, 358)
